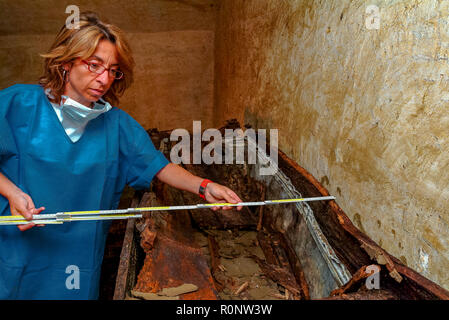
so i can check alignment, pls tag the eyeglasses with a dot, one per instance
(99, 69)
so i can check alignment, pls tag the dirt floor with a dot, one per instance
(237, 270)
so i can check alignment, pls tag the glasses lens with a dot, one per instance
(95, 67)
(117, 74)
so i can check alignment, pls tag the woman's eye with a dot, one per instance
(94, 65)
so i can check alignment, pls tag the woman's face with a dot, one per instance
(85, 86)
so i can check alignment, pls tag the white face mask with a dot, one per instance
(74, 116)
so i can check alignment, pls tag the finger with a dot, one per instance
(230, 197)
(219, 207)
(37, 211)
(31, 208)
(27, 214)
(226, 208)
(25, 227)
(236, 199)
(235, 196)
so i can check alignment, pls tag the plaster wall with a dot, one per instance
(172, 42)
(364, 110)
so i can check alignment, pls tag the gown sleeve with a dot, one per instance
(8, 146)
(142, 159)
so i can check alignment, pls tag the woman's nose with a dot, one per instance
(104, 77)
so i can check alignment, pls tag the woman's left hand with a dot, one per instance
(216, 193)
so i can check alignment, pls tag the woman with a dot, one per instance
(63, 146)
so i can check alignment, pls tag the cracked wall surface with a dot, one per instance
(365, 110)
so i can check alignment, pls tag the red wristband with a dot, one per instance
(202, 190)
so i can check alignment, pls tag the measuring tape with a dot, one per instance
(61, 217)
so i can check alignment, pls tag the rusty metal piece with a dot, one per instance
(170, 264)
(172, 257)
(147, 240)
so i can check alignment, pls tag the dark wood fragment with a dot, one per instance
(126, 274)
(259, 223)
(215, 261)
(279, 251)
(365, 295)
(356, 277)
(279, 275)
(289, 255)
(268, 251)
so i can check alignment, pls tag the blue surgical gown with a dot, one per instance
(38, 156)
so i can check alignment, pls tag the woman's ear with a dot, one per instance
(66, 66)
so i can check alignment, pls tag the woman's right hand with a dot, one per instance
(21, 204)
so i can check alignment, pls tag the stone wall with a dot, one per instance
(364, 110)
(172, 43)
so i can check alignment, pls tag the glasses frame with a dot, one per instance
(101, 69)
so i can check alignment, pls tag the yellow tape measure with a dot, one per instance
(93, 215)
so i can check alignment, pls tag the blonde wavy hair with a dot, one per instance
(71, 44)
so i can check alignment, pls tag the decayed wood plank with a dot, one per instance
(125, 274)
(280, 276)
(283, 260)
(277, 254)
(215, 261)
(267, 249)
(259, 223)
(365, 295)
(293, 263)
